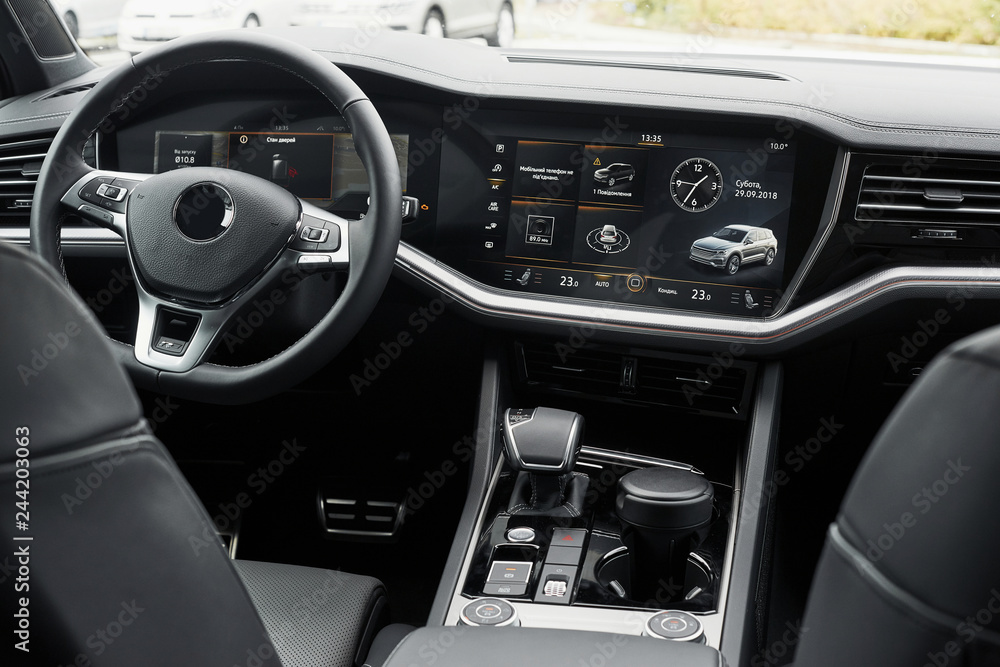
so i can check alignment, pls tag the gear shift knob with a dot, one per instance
(542, 441)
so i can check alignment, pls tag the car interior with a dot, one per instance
(330, 348)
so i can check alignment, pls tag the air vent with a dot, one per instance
(20, 162)
(948, 193)
(710, 385)
(71, 90)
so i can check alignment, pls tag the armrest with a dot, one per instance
(502, 647)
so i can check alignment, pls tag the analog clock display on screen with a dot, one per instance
(696, 184)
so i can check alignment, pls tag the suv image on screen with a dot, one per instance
(735, 245)
(614, 173)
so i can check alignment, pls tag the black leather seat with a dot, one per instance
(910, 573)
(125, 568)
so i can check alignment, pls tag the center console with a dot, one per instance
(584, 523)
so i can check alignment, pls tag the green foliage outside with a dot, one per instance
(961, 21)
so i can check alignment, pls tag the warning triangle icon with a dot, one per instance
(597, 162)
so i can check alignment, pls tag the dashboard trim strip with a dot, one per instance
(877, 288)
(887, 285)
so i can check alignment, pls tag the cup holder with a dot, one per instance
(613, 573)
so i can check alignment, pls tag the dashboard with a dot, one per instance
(787, 149)
(648, 211)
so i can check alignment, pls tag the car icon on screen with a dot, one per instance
(615, 172)
(735, 245)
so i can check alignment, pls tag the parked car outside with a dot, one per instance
(489, 19)
(146, 23)
(735, 245)
(87, 19)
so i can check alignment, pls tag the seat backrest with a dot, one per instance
(910, 573)
(123, 563)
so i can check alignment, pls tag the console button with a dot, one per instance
(564, 555)
(555, 586)
(505, 589)
(521, 535)
(569, 537)
(490, 612)
(509, 572)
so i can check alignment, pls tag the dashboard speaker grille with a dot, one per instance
(949, 192)
(713, 385)
(41, 28)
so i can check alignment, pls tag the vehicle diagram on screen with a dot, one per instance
(735, 245)
(608, 240)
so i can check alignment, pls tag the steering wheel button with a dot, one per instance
(112, 192)
(314, 234)
(315, 261)
(97, 215)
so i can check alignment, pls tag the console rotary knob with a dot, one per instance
(676, 626)
(489, 612)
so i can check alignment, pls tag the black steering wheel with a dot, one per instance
(204, 242)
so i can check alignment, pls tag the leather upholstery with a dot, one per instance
(125, 565)
(58, 376)
(909, 572)
(316, 618)
(549, 495)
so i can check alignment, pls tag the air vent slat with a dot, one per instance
(652, 378)
(20, 163)
(950, 193)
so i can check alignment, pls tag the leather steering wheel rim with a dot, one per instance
(372, 241)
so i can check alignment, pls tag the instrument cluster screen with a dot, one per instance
(312, 165)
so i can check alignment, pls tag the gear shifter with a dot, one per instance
(542, 444)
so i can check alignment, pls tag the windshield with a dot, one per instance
(110, 30)
(729, 234)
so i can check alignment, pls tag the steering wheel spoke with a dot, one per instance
(102, 197)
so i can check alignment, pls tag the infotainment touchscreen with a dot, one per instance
(649, 219)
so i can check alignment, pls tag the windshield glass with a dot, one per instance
(729, 234)
(110, 30)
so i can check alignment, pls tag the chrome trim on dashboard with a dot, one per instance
(877, 288)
